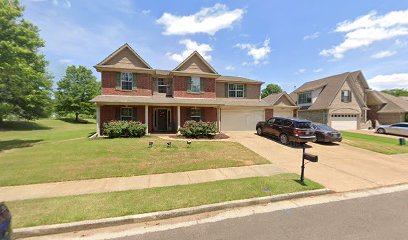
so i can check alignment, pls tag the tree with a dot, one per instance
(25, 85)
(271, 89)
(75, 91)
(398, 92)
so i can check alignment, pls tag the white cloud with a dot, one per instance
(383, 54)
(318, 70)
(300, 71)
(257, 53)
(64, 3)
(191, 46)
(207, 20)
(367, 29)
(401, 43)
(397, 80)
(312, 36)
(65, 61)
(146, 11)
(229, 68)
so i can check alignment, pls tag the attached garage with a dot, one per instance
(240, 120)
(344, 121)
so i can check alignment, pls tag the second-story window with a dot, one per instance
(236, 90)
(126, 81)
(161, 85)
(346, 96)
(305, 98)
(195, 84)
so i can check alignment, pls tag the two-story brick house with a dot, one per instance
(165, 99)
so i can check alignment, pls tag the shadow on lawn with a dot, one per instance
(72, 120)
(21, 126)
(17, 143)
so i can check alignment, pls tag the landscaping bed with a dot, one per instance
(103, 205)
(378, 144)
(54, 150)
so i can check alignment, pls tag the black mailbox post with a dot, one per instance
(309, 157)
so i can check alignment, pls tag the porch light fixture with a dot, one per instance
(168, 144)
(150, 144)
(189, 143)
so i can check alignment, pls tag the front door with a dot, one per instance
(162, 119)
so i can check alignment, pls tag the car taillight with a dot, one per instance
(296, 132)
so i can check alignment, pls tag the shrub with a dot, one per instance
(193, 129)
(115, 129)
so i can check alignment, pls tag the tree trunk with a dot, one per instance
(76, 117)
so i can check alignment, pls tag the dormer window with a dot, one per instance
(126, 81)
(305, 98)
(195, 84)
(346, 96)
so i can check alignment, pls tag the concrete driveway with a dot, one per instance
(340, 167)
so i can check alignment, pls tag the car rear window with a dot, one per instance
(324, 127)
(303, 125)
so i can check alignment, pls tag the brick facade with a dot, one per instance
(144, 85)
(268, 114)
(181, 83)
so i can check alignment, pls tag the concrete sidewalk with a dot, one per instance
(45, 190)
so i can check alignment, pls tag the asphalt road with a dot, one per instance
(376, 217)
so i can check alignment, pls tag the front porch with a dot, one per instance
(158, 118)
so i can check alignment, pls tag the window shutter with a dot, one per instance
(134, 86)
(202, 85)
(155, 85)
(245, 90)
(189, 84)
(202, 114)
(134, 113)
(350, 96)
(226, 90)
(118, 85)
(117, 113)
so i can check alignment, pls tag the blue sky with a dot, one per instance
(283, 42)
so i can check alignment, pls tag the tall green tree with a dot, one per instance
(75, 91)
(398, 92)
(25, 85)
(271, 89)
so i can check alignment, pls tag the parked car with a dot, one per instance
(397, 129)
(325, 133)
(287, 130)
(5, 222)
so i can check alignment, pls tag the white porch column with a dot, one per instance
(178, 118)
(98, 120)
(219, 118)
(147, 119)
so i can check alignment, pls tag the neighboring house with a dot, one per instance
(345, 101)
(165, 99)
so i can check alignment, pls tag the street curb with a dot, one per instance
(108, 222)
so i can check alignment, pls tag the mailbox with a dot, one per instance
(310, 157)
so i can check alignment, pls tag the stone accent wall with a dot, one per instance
(143, 82)
(319, 116)
(180, 88)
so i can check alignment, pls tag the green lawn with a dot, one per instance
(374, 143)
(55, 150)
(102, 205)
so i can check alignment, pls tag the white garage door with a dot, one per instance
(240, 120)
(286, 113)
(344, 121)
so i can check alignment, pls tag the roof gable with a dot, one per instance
(125, 57)
(195, 63)
(279, 99)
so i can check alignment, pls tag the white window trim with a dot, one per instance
(236, 90)
(195, 116)
(305, 103)
(161, 85)
(199, 85)
(121, 114)
(122, 80)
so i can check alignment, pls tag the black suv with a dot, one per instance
(287, 130)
